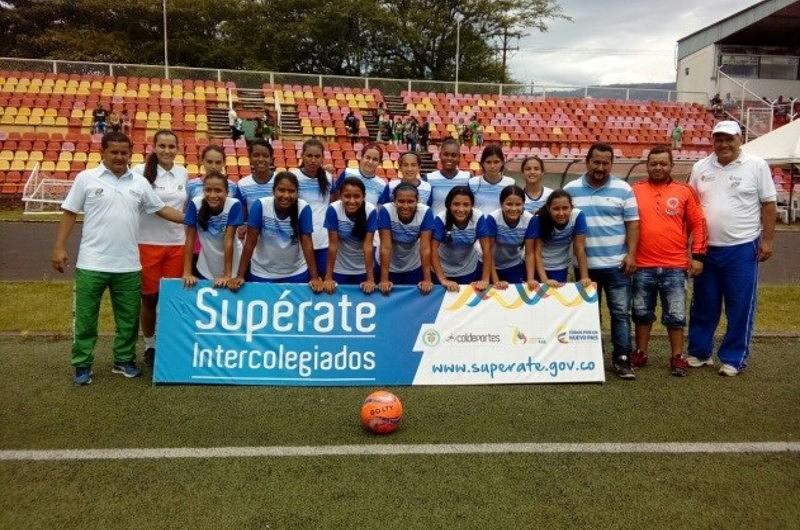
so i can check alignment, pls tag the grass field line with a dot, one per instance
(398, 450)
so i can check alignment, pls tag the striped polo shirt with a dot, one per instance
(607, 208)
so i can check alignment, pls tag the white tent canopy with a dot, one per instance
(781, 146)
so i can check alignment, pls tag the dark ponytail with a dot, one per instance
(294, 213)
(360, 221)
(449, 221)
(321, 176)
(151, 164)
(546, 223)
(205, 213)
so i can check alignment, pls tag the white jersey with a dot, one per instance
(373, 185)
(170, 186)
(509, 241)
(405, 236)
(441, 186)
(457, 249)
(532, 204)
(211, 261)
(278, 253)
(249, 190)
(423, 190)
(350, 254)
(487, 195)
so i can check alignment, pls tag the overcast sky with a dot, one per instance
(615, 41)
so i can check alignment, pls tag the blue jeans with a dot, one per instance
(668, 283)
(617, 288)
(730, 277)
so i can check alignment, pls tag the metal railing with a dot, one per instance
(256, 79)
(755, 114)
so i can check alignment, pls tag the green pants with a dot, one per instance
(126, 298)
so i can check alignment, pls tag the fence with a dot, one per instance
(255, 79)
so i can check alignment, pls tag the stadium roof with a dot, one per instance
(767, 23)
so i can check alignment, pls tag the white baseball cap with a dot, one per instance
(727, 127)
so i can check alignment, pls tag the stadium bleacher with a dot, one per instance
(46, 119)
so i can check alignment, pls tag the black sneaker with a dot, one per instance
(149, 356)
(622, 365)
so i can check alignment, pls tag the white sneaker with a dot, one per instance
(696, 362)
(728, 370)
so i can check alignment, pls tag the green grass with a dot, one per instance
(42, 410)
(499, 491)
(47, 307)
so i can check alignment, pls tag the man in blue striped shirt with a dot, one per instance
(612, 235)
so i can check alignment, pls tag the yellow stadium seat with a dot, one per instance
(35, 120)
(189, 118)
(192, 169)
(65, 156)
(474, 166)
(141, 116)
(180, 160)
(151, 124)
(79, 157)
(202, 117)
(51, 112)
(137, 158)
(20, 155)
(504, 137)
(202, 127)
(305, 122)
(165, 125)
(319, 131)
(93, 157)
(230, 161)
(62, 165)
(243, 161)
(17, 165)
(352, 164)
(387, 164)
(24, 111)
(49, 121)
(46, 90)
(76, 113)
(36, 155)
(87, 121)
(307, 131)
(330, 131)
(4, 165)
(489, 129)
(49, 166)
(92, 165)
(30, 165)
(7, 119)
(522, 110)
(62, 121)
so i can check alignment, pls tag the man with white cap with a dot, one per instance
(738, 198)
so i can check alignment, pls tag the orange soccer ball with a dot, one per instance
(381, 412)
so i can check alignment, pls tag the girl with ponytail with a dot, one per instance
(351, 222)
(213, 218)
(278, 247)
(160, 241)
(315, 189)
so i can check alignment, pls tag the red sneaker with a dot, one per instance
(679, 366)
(639, 358)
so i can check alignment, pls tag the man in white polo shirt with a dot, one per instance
(111, 197)
(738, 198)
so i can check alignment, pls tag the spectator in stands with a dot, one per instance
(781, 108)
(473, 128)
(353, 124)
(677, 135)
(114, 121)
(399, 130)
(411, 131)
(160, 242)
(669, 212)
(238, 129)
(126, 122)
(739, 201)
(259, 132)
(381, 122)
(611, 241)
(730, 102)
(478, 135)
(99, 119)
(111, 197)
(424, 135)
(388, 129)
(716, 104)
(232, 117)
(466, 134)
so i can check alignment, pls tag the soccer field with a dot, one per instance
(43, 411)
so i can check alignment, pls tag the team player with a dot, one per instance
(487, 187)
(315, 189)
(506, 230)
(213, 219)
(371, 158)
(257, 184)
(448, 175)
(409, 172)
(160, 241)
(111, 197)
(554, 230)
(669, 212)
(536, 192)
(738, 197)
(279, 247)
(456, 230)
(351, 222)
(405, 227)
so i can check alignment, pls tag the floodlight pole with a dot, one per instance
(458, 47)
(166, 55)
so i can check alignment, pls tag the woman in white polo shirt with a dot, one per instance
(160, 242)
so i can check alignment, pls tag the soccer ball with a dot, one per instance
(381, 412)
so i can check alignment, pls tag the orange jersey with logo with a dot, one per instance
(668, 214)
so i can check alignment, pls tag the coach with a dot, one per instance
(738, 197)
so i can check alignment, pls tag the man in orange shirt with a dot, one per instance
(669, 212)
